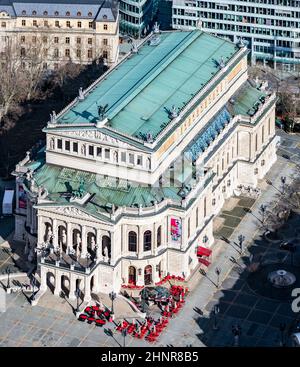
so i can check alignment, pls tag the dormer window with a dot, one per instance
(79, 14)
(45, 13)
(67, 13)
(56, 13)
(90, 14)
(34, 12)
(104, 16)
(23, 12)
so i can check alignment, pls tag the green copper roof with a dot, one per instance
(139, 91)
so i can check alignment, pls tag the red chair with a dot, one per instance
(82, 317)
(100, 322)
(95, 308)
(91, 319)
(87, 309)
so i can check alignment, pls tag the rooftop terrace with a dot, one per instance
(140, 90)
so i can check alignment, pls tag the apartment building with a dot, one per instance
(270, 28)
(58, 32)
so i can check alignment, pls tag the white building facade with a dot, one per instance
(271, 28)
(137, 167)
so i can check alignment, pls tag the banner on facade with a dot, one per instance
(176, 229)
(22, 197)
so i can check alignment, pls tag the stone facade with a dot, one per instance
(140, 244)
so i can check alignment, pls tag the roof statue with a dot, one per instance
(101, 111)
(80, 94)
(222, 63)
(156, 28)
(173, 112)
(240, 43)
(149, 137)
(134, 48)
(79, 193)
(199, 24)
(53, 117)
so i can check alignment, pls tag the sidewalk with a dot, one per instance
(183, 330)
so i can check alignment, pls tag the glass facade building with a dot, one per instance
(270, 28)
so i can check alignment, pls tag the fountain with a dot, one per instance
(281, 278)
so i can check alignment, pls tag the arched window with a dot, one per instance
(23, 12)
(147, 240)
(67, 13)
(132, 241)
(158, 236)
(79, 14)
(106, 246)
(34, 12)
(90, 14)
(56, 13)
(45, 13)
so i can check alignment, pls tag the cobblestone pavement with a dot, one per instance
(258, 316)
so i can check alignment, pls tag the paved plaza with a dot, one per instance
(239, 302)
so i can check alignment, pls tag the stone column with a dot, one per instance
(155, 274)
(140, 278)
(99, 244)
(43, 279)
(83, 242)
(57, 289)
(72, 287)
(87, 290)
(69, 237)
(140, 242)
(54, 232)
(40, 238)
(153, 242)
(112, 248)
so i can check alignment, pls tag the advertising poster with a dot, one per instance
(22, 197)
(176, 229)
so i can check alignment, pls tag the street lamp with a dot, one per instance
(218, 272)
(77, 294)
(216, 310)
(8, 272)
(283, 180)
(282, 328)
(124, 333)
(241, 239)
(112, 296)
(263, 208)
(236, 331)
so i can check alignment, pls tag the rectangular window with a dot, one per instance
(55, 39)
(23, 22)
(33, 39)
(90, 54)
(3, 24)
(91, 150)
(139, 160)
(105, 27)
(67, 52)
(79, 24)
(56, 23)
(131, 158)
(78, 53)
(59, 143)
(105, 41)
(23, 39)
(90, 41)
(67, 40)
(99, 152)
(91, 25)
(34, 23)
(78, 40)
(68, 24)
(107, 153)
(67, 145)
(75, 147)
(45, 23)
(123, 156)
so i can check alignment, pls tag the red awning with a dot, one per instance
(204, 262)
(202, 251)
